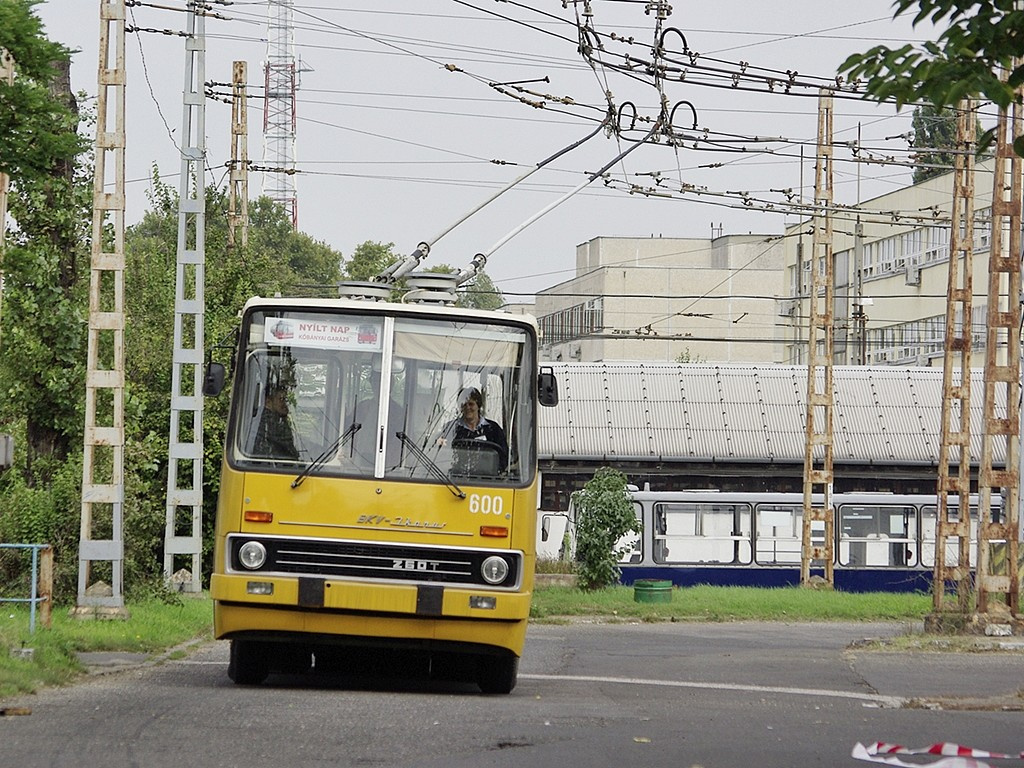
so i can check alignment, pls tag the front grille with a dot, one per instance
(354, 560)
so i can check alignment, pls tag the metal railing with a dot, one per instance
(41, 593)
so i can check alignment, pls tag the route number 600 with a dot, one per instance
(486, 505)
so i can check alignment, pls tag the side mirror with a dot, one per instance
(547, 387)
(213, 383)
(545, 528)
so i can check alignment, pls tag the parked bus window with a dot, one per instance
(877, 535)
(705, 532)
(779, 533)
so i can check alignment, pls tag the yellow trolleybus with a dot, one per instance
(378, 487)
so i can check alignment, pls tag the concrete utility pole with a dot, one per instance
(953, 526)
(103, 459)
(238, 185)
(818, 523)
(279, 108)
(998, 585)
(183, 534)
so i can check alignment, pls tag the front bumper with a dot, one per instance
(314, 606)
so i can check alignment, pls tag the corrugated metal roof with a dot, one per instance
(678, 412)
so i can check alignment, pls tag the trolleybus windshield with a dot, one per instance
(312, 400)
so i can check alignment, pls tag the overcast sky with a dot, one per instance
(394, 147)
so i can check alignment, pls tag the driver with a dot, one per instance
(472, 425)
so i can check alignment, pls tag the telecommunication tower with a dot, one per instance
(281, 73)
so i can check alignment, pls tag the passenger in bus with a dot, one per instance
(473, 426)
(364, 442)
(274, 438)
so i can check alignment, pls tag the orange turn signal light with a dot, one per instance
(494, 531)
(255, 516)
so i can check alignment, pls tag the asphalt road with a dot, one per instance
(589, 695)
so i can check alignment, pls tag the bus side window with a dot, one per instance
(660, 529)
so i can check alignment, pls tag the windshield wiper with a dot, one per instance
(319, 461)
(439, 473)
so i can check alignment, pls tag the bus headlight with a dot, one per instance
(494, 569)
(252, 555)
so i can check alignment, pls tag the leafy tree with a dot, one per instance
(34, 126)
(481, 293)
(983, 38)
(276, 260)
(935, 139)
(604, 514)
(311, 264)
(42, 333)
(42, 328)
(370, 259)
(934, 135)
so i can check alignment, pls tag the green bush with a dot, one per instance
(604, 514)
(49, 513)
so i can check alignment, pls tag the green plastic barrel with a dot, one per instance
(652, 591)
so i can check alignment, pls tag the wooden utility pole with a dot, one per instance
(818, 524)
(103, 459)
(998, 585)
(238, 187)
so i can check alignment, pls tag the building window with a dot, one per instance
(573, 322)
(910, 342)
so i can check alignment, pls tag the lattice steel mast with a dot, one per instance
(279, 109)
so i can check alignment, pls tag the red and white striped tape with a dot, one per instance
(954, 755)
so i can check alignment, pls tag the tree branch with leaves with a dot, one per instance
(978, 55)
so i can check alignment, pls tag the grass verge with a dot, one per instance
(153, 626)
(704, 603)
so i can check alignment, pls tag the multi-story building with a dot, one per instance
(891, 257)
(744, 298)
(668, 299)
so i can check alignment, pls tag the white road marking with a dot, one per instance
(891, 702)
(894, 702)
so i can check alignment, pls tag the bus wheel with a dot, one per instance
(294, 659)
(249, 663)
(497, 674)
